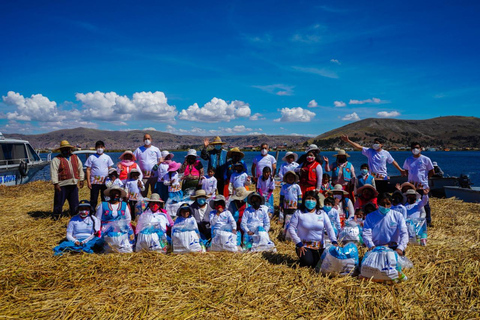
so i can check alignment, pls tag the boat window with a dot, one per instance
(32, 154)
(13, 152)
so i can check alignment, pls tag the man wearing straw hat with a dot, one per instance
(148, 158)
(66, 172)
(343, 172)
(217, 158)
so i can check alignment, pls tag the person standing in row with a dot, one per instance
(217, 158)
(97, 165)
(192, 170)
(343, 172)
(377, 157)
(311, 174)
(263, 160)
(66, 173)
(148, 158)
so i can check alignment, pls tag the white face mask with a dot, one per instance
(147, 142)
(416, 151)
(264, 152)
(376, 146)
(100, 150)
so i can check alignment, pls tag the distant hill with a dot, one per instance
(86, 138)
(442, 132)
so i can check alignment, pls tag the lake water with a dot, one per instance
(453, 163)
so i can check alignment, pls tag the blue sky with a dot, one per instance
(235, 67)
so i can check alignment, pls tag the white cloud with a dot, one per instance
(112, 107)
(339, 104)
(256, 133)
(149, 129)
(295, 115)
(351, 117)
(257, 116)
(335, 61)
(216, 110)
(306, 38)
(386, 114)
(35, 108)
(312, 104)
(321, 72)
(373, 100)
(278, 89)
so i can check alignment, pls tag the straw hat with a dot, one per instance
(217, 140)
(341, 152)
(312, 147)
(240, 194)
(290, 172)
(199, 193)
(107, 192)
(289, 153)
(411, 192)
(255, 194)
(183, 207)
(217, 199)
(174, 166)
(191, 152)
(367, 186)
(408, 184)
(127, 152)
(111, 170)
(235, 150)
(154, 197)
(134, 170)
(337, 188)
(64, 144)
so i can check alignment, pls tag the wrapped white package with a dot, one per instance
(381, 264)
(338, 260)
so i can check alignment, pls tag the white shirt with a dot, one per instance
(400, 208)
(310, 226)
(377, 160)
(287, 167)
(98, 165)
(291, 193)
(418, 169)
(414, 211)
(238, 179)
(173, 182)
(334, 217)
(262, 162)
(162, 170)
(223, 220)
(253, 218)
(209, 184)
(117, 183)
(379, 229)
(80, 229)
(266, 185)
(147, 158)
(115, 207)
(132, 189)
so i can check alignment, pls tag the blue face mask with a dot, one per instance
(364, 171)
(383, 210)
(327, 208)
(201, 201)
(310, 204)
(218, 147)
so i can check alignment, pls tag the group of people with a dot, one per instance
(228, 209)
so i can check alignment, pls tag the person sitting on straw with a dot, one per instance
(238, 205)
(256, 223)
(307, 228)
(385, 227)
(83, 231)
(224, 227)
(332, 213)
(366, 194)
(115, 208)
(201, 212)
(185, 234)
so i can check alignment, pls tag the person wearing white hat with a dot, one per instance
(192, 169)
(217, 159)
(343, 204)
(113, 179)
(162, 170)
(438, 172)
(342, 170)
(289, 164)
(67, 175)
(148, 157)
(316, 152)
(134, 187)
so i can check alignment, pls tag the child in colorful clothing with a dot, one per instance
(326, 184)
(239, 178)
(209, 183)
(364, 177)
(290, 164)
(416, 213)
(172, 180)
(134, 187)
(126, 164)
(366, 194)
(265, 187)
(290, 196)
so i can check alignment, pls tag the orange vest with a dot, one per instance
(64, 172)
(309, 178)
(124, 170)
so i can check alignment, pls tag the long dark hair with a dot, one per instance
(310, 194)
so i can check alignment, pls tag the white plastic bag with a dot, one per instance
(259, 241)
(288, 236)
(118, 236)
(223, 240)
(381, 265)
(185, 236)
(417, 230)
(151, 232)
(350, 233)
(338, 260)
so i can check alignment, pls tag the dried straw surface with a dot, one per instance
(34, 284)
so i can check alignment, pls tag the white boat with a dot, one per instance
(471, 194)
(19, 162)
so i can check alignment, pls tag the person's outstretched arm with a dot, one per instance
(345, 138)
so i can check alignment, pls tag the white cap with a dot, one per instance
(191, 152)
